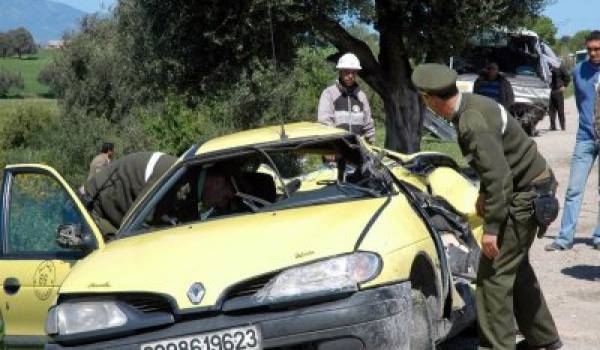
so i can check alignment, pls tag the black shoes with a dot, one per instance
(555, 247)
(522, 345)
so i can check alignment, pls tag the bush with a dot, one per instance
(10, 80)
(23, 123)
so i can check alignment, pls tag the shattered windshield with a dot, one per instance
(265, 179)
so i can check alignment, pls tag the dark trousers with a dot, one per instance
(507, 288)
(557, 105)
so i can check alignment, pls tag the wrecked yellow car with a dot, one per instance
(327, 243)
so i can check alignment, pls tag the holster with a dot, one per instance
(545, 205)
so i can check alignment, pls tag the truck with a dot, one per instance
(525, 61)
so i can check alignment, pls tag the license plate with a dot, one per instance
(241, 338)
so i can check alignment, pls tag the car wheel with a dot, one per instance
(421, 337)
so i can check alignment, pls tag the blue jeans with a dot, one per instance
(583, 159)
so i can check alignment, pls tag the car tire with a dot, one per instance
(422, 332)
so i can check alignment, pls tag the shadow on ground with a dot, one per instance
(459, 343)
(583, 272)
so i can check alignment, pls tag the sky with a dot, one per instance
(571, 16)
(92, 5)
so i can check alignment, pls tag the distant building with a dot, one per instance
(55, 44)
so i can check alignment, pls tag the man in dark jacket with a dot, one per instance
(110, 193)
(560, 80)
(493, 84)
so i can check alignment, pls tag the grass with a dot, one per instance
(30, 67)
(450, 148)
(9, 105)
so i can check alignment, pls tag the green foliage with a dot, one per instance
(9, 80)
(196, 46)
(544, 27)
(173, 126)
(577, 41)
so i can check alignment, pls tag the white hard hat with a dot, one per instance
(349, 61)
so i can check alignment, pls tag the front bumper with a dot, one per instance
(375, 319)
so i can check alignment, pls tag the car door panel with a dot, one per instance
(25, 310)
(35, 201)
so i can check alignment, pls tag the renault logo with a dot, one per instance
(196, 293)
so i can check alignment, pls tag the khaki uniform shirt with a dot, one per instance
(99, 162)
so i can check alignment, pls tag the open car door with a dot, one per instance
(36, 200)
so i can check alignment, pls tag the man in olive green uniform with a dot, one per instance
(110, 193)
(512, 173)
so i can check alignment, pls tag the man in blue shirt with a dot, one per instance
(586, 78)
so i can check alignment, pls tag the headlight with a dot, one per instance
(340, 274)
(78, 317)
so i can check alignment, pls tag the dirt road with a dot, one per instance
(570, 280)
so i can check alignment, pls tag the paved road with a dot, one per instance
(570, 280)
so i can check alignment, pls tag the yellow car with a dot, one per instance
(316, 241)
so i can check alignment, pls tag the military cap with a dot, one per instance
(436, 79)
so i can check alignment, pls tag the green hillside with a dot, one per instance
(30, 67)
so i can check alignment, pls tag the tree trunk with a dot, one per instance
(402, 120)
(400, 99)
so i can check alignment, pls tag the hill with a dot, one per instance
(46, 20)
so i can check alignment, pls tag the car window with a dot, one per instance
(270, 178)
(38, 205)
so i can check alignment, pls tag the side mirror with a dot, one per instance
(71, 236)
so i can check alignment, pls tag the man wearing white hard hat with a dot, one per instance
(344, 105)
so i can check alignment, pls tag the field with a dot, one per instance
(30, 67)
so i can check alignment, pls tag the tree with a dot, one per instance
(544, 27)
(93, 73)
(198, 41)
(5, 45)
(577, 41)
(21, 41)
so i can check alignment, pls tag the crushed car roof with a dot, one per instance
(267, 135)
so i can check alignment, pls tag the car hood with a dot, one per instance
(222, 252)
